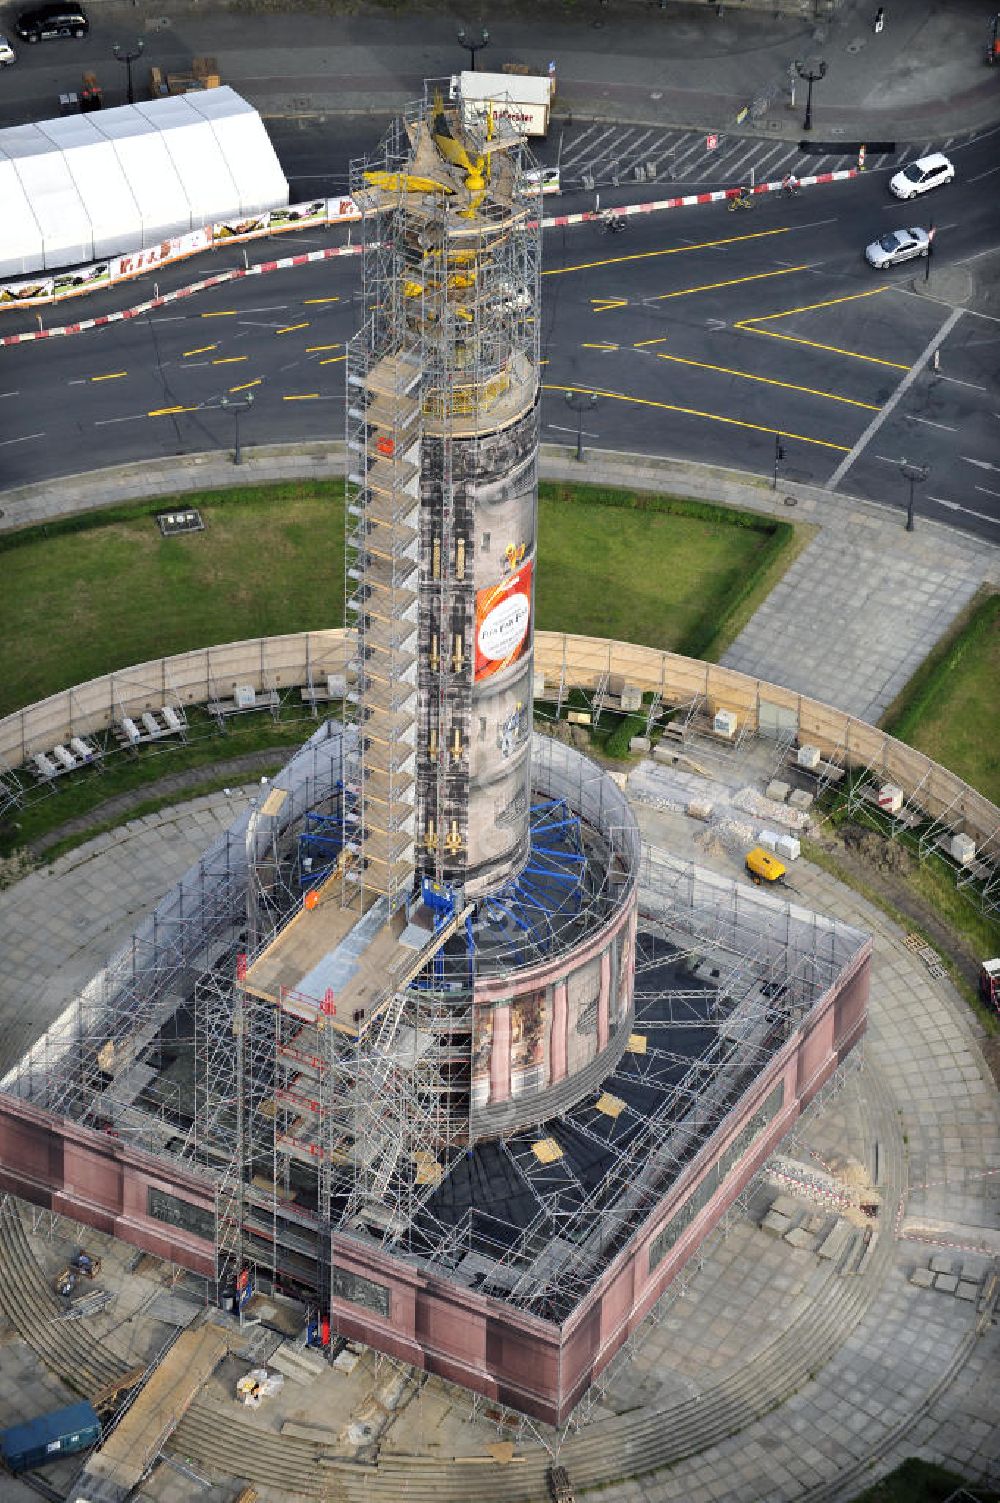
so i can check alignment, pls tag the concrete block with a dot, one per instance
(922, 1278)
(639, 744)
(777, 790)
(808, 756)
(768, 839)
(974, 1269)
(963, 848)
(836, 1240)
(940, 1263)
(798, 1237)
(786, 1206)
(631, 697)
(967, 1290)
(775, 1225)
(800, 799)
(788, 848)
(946, 1282)
(665, 754)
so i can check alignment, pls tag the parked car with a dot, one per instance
(7, 53)
(922, 175)
(896, 246)
(59, 18)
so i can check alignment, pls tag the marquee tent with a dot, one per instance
(88, 186)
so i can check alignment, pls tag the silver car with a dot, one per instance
(7, 53)
(896, 246)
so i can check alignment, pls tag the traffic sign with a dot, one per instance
(711, 142)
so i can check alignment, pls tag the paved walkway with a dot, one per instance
(908, 1379)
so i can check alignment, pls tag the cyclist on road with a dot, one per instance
(789, 184)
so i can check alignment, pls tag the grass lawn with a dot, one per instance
(104, 590)
(922, 1482)
(646, 569)
(101, 591)
(949, 709)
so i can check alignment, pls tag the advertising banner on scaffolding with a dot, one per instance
(503, 622)
(48, 289)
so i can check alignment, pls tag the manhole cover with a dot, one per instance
(158, 23)
(791, 501)
(856, 45)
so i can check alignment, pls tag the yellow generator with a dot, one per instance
(763, 867)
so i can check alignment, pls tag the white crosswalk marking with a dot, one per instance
(603, 151)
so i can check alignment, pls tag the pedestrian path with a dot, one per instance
(854, 617)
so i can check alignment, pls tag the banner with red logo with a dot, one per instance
(503, 622)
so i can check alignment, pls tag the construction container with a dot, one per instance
(963, 848)
(39, 1441)
(725, 723)
(808, 756)
(788, 848)
(763, 867)
(890, 798)
(244, 697)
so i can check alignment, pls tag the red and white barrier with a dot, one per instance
(590, 215)
(172, 297)
(555, 221)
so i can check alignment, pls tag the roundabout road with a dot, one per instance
(705, 334)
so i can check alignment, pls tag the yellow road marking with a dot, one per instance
(757, 276)
(226, 313)
(246, 385)
(602, 304)
(747, 325)
(321, 300)
(830, 302)
(290, 329)
(166, 411)
(644, 342)
(230, 359)
(309, 396)
(810, 391)
(712, 417)
(312, 348)
(112, 376)
(202, 350)
(333, 360)
(599, 347)
(673, 250)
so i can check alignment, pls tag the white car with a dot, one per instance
(896, 246)
(7, 53)
(922, 175)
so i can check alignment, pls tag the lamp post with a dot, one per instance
(128, 58)
(812, 73)
(916, 474)
(236, 407)
(473, 47)
(779, 454)
(580, 402)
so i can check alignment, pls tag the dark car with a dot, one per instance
(59, 18)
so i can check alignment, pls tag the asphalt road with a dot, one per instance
(705, 334)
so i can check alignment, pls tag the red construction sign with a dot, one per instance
(711, 142)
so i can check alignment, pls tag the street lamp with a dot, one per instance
(916, 474)
(228, 404)
(580, 402)
(128, 58)
(473, 47)
(812, 73)
(779, 454)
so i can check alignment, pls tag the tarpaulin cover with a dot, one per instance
(95, 185)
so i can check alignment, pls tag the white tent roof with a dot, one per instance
(89, 186)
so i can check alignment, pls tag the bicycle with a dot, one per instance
(790, 188)
(614, 224)
(741, 200)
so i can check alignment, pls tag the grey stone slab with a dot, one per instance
(922, 1278)
(947, 1283)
